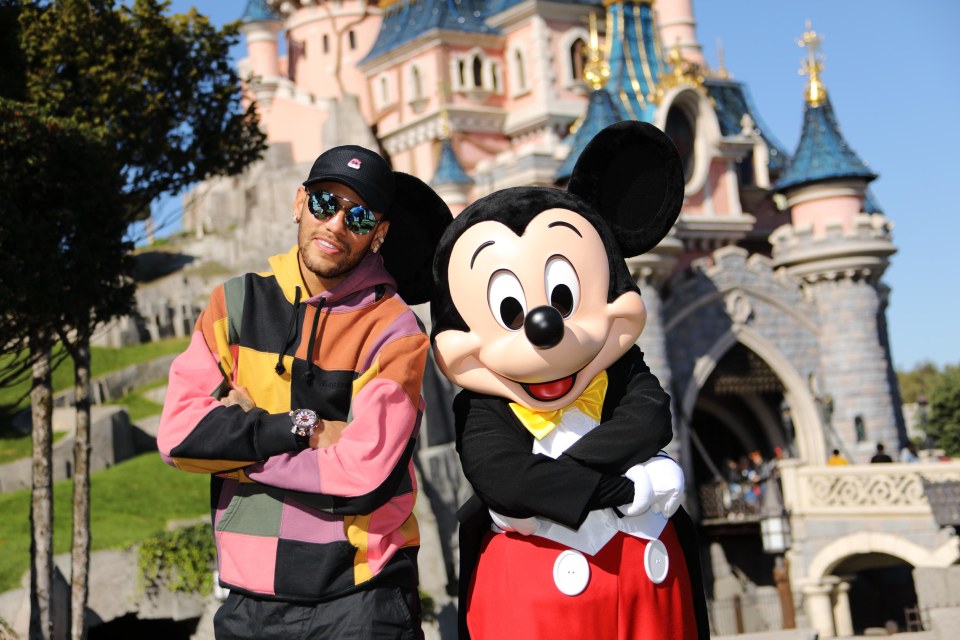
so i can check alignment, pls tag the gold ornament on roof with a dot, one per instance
(722, 72)
(597, 71)
(816, 92)
(682, 73)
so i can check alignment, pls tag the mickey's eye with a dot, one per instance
(562, 285)
(505, 297)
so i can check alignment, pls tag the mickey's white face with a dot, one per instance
(540, 324)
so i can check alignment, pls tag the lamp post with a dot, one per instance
(776, 539)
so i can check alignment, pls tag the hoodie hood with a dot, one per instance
(369, 273)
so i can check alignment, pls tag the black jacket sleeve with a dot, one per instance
(635, 422)
(496, 455)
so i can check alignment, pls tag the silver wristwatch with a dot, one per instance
(304, 422)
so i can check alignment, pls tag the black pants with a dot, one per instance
(383, 612)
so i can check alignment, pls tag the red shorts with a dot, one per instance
(513, 593)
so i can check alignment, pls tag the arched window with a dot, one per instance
(477, 72)
(352, 37)
(682, 133)
(495, 77)
(462, 73)
(416, 83)
(326, 43)
(578, 58)
(384, 91)
(520, 71)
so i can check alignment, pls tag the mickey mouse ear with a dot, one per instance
(632, 174)
(418, 217)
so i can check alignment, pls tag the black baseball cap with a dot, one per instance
(362, 170)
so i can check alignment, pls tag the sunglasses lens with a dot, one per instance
(322, 205)
(360, 220)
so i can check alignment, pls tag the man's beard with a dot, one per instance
(323, 269)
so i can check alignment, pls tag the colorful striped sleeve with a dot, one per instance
(386, 410)
(197, 433)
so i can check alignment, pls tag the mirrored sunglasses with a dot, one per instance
(359, 219)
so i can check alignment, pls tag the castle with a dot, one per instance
(766, 302)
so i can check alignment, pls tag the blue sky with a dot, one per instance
(889, 69)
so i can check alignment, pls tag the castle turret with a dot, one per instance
(840, 251)
(679, 28)
(260, 26)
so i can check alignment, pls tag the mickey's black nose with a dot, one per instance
(544, 327)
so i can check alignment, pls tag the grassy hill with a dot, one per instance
(129, 502)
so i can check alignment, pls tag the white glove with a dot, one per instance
(523, 526)
(643, 495)
(666, 476)
(657, 484)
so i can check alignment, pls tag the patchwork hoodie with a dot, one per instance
(303, 525)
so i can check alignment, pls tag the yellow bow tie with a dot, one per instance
(590, 402)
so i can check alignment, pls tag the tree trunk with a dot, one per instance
(80, 556)
(41, 503)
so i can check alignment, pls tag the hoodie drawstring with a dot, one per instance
(308, 376)
(280, 369)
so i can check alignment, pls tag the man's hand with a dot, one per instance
(328, 432)
(238, 395)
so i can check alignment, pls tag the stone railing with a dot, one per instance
(871, 489)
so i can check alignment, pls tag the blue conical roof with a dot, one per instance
(259, 11)
(732, 101)
(635, 63)
(822, 154)
(407, 20)
(449, 169)
(602, 111)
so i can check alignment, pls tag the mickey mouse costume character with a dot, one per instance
(574, 530)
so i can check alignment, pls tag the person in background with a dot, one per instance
(300, 395)
(909, 453)
(836, 459)
(881, 455)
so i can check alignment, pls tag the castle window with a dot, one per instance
(572, 52)
(682, 133)
(519, 72)
(418, 101)
(416, 83)
(384, 94)
(578, 59)
(477, 71)
(326, 43)
(476, 75)
(352, 37)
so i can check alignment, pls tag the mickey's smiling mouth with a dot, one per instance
(547, 391)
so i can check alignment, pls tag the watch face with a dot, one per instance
(304, 417)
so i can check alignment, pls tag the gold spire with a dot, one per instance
(816, 92)
(597, 71)
(683, 72)
(722, 72)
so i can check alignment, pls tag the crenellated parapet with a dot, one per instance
(859, 251)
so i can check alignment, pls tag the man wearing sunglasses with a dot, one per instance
(300, 395)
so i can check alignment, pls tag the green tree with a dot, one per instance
(918, 381)
(944, 421)
(160, 93)
(42, 235)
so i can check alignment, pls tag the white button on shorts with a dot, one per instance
(656, 561)
(571, 572)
